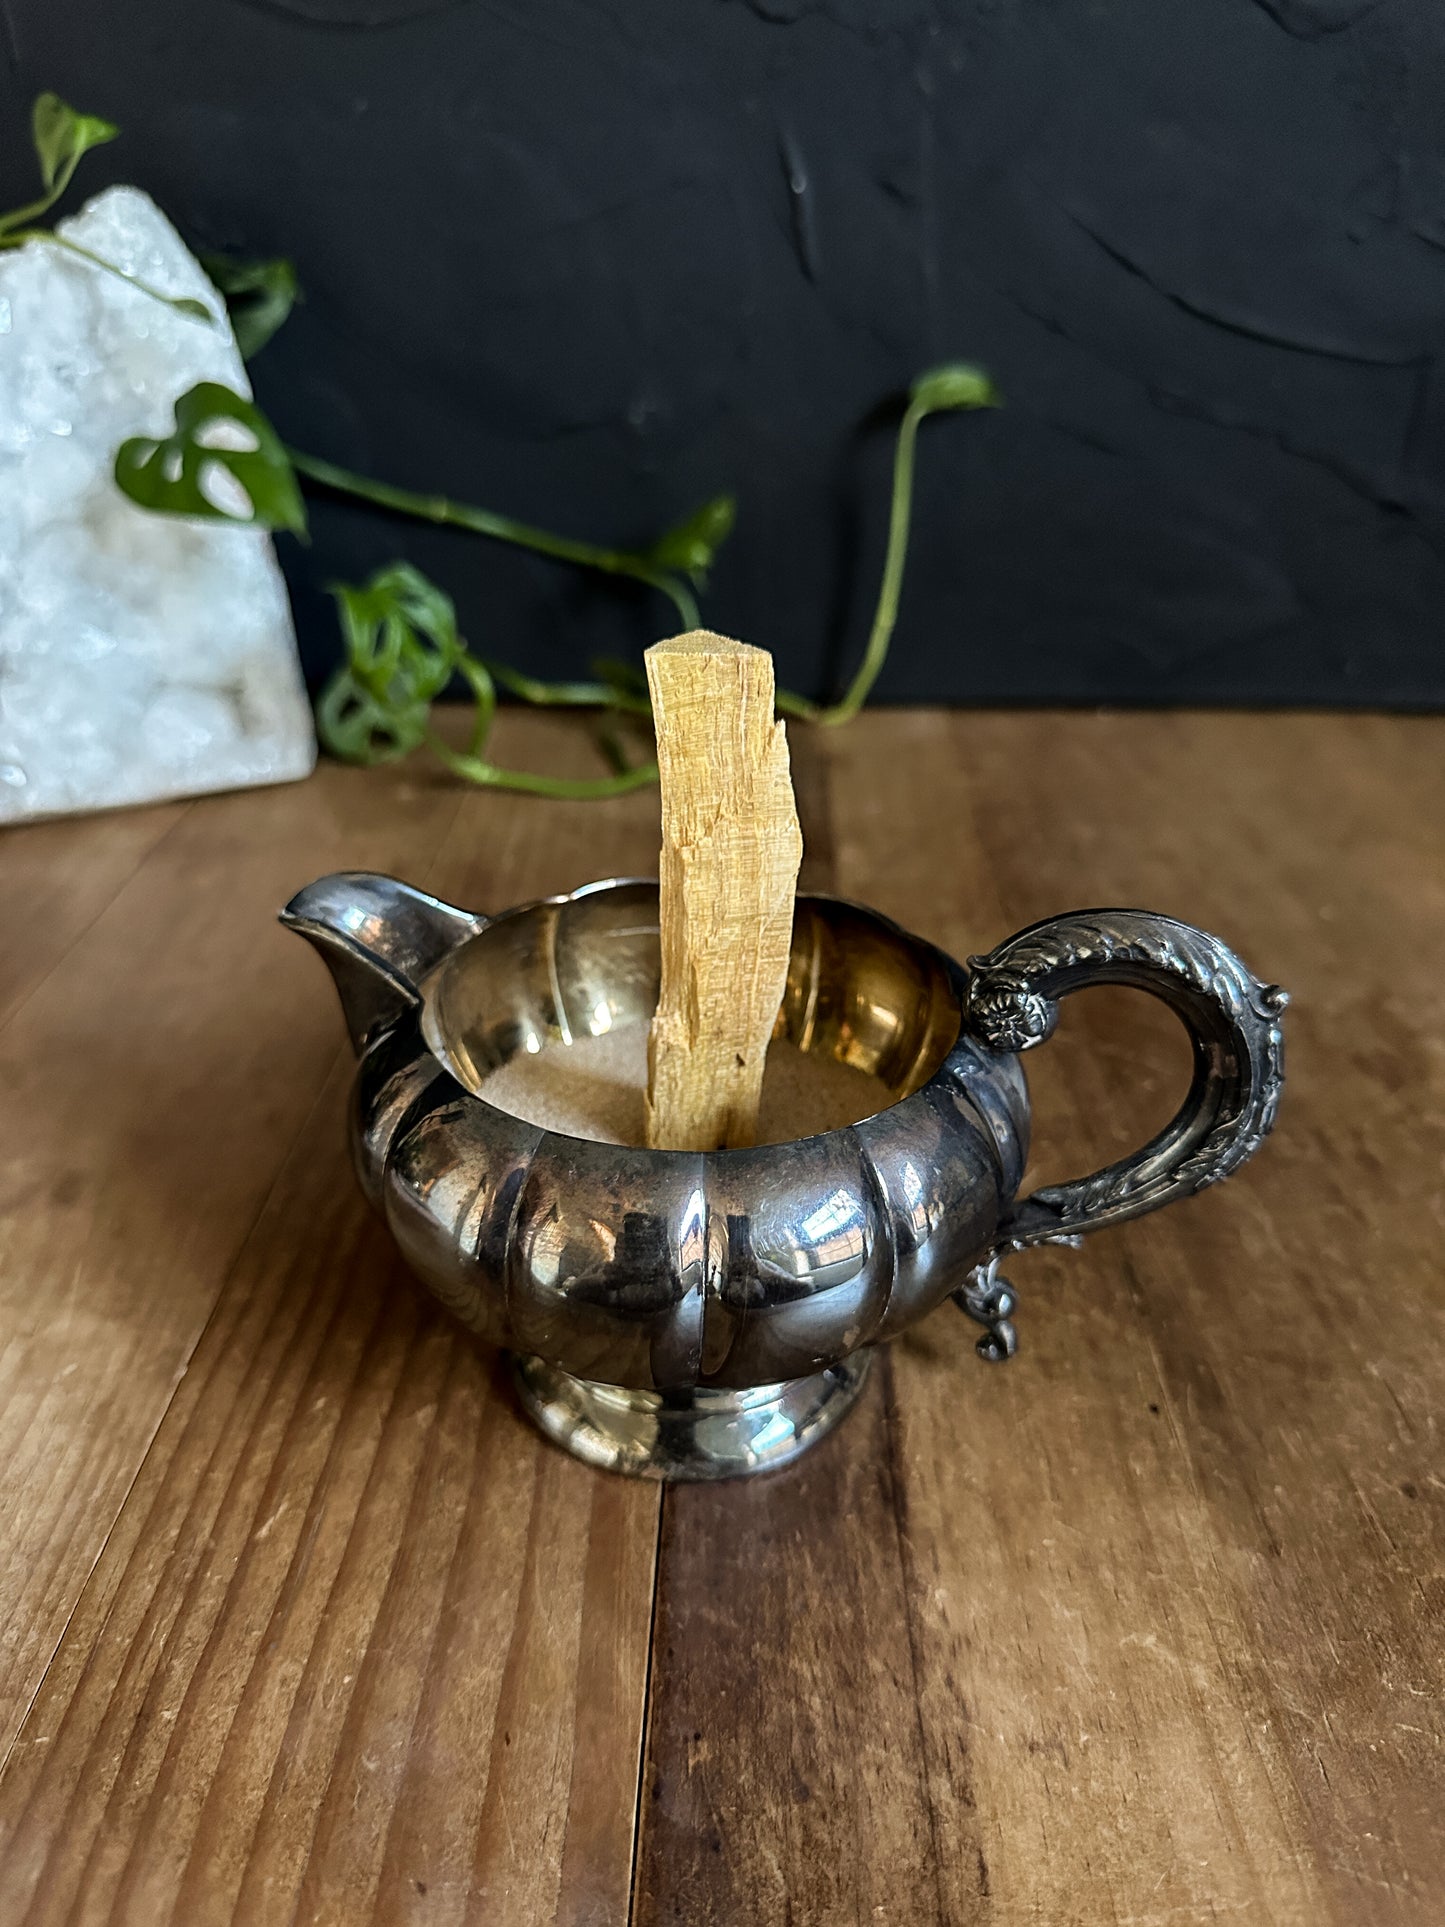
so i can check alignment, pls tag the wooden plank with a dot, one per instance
(785, 1777)
(362, 1646)
(1174, 1593)
(57, 878)
(1145, 1627)
(154, 1080)
(1168, 1585)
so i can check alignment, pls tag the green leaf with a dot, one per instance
(62, 136)
(259, 296)
(957, 384)
(691, 548)
(216, 430)
(402, 649)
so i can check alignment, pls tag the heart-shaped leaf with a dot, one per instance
(691, 548)
(259, 295)
(62, 136)
(224, 462)
(956, 385)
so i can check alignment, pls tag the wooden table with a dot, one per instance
(300, 1622)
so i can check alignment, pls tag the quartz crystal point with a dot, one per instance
(141, 656)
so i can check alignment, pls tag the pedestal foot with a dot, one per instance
(708, 1433)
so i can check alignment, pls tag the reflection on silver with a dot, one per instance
(693, 1315)
(698, 1434)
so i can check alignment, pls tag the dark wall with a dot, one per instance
(592, 263)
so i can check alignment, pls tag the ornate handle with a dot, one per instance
(1233, 1022)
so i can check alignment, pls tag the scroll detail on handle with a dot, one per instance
(1234, 1025)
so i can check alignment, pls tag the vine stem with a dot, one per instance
(574, 788)
(956, 385)
(502, 528)
(33, 210)
(944, 389)
(478, 768)
(182, 304)
(885, 615)
(567, 695)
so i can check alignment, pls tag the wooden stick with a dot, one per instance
(731, 846)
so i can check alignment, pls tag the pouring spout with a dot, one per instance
(378, 938)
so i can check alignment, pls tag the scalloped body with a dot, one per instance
(665, 1270)
(668, 1271)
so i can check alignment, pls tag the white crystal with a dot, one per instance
(140, 656)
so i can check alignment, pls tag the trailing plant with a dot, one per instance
(258, 295)
(223, 461)
(61, 138)
(402, 652)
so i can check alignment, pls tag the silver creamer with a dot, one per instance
(702, 1314)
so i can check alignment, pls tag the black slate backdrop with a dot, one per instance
(590, 264)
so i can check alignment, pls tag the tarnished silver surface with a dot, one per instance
(681, 1313)
(706, 1433)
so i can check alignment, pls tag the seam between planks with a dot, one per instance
(647, 1702)
(891, 1419)
(905, 1570)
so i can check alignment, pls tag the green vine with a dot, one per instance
(402, 652)
(954, 386)
(223, 461)
(61, 138)
(503, 528)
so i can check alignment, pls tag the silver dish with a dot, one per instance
(701, 1314)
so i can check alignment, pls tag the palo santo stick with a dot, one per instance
(731, 846)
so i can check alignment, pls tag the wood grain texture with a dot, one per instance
(1296, 1331)
(144, 1121)
(1172, 1582)
(301, 1623)
(54, 883)
(360, 1645)
(783, 1731)
(728, 867)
